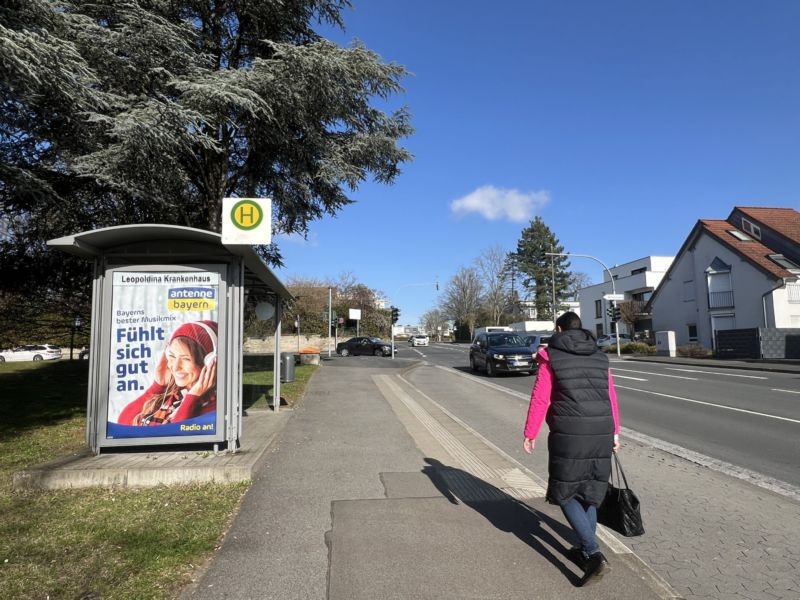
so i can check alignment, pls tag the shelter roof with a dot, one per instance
(92, 244)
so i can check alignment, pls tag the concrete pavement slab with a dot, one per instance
(410, 548)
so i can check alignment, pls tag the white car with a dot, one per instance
(611, 340)
(35, 352)
(418, 340)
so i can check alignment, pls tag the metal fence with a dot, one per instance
(758, 343)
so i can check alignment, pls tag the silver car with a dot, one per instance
(35, 352)
(611, 340)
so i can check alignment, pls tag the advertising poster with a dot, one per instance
(163, 354)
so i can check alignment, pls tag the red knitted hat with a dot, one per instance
(198, 331)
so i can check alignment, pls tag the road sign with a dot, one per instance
(612, 297)
(246, 221)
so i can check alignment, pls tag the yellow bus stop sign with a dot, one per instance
(246, 221)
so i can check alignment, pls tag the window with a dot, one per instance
(785, 263)
(751, 228)
(637, 271)
(692, 333)
(598, 329)
(598, 309)
(740, 236)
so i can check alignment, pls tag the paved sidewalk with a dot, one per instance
(371, 492)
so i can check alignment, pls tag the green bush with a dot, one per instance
(638, 348)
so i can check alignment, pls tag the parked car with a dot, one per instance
(35, 352)
(84, 354)
(501, 352)
(418, 340)
(536, 341)
(611, 340)
(364, 345)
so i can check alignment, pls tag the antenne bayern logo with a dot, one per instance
(246, 215)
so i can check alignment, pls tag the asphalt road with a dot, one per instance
(750, 419)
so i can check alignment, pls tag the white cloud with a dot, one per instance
(495, 203)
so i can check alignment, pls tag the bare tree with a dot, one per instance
(434, 321)
(462, 297)
(577, 281)
(491, 266)
(631, 313)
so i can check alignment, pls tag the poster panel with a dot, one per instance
(162, 379)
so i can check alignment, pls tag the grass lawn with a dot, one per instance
(117, 543)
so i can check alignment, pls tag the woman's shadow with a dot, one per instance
(504, 512)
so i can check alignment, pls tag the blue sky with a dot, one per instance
(620, 123)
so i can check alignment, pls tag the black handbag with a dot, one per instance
(620, 508)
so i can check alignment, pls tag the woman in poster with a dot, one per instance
(185, 381)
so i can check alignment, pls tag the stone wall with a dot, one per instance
(289, 343)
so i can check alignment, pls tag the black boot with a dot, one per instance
(577, 555)
(596, 567)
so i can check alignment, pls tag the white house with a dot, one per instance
(733, 274)
(636, 280)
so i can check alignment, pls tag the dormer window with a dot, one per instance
(751, 228)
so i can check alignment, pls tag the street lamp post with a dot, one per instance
(613, 287)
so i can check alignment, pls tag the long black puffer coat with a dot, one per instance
(580, 420)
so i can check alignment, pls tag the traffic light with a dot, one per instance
(395, 314)
(613, 313)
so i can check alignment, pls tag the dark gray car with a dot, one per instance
(364, 345)
(501, 352)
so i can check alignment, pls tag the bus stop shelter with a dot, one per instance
(166, 336)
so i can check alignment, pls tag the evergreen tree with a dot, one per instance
(542, 273)
(131, 111)
(151, 111)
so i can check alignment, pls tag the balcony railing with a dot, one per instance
(720, 299)
(794, 292)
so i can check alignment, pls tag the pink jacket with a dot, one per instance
(544, 390)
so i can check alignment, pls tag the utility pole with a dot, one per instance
(330, 302)
(553, 279)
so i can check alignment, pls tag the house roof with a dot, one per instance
(784, 221)
(753, 251)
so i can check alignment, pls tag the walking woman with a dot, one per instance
(574, 391)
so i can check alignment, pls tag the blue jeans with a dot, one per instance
(583, 519)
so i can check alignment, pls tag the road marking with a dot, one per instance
(716, 373)
(787, 391)
(626, 377)
(743, 410)
(494, 386)
(656, 374)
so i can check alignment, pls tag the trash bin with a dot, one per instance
(287, 367)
